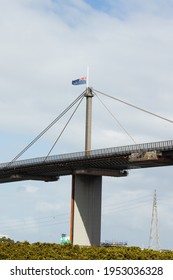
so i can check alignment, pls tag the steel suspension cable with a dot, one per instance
(116, 119)
(46, 129)
(64, 127)
(136, 107)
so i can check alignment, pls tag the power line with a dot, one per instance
(26, 227)
(126, 205)
(38, 222)
(28, 223)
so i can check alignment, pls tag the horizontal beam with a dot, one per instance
(21, 177)
(101, 172)
(102, 162)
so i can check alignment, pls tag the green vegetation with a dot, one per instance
(52, 251)
(6, 239)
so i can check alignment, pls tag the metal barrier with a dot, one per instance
(114, 151)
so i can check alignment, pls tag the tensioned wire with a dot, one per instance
(64, 127)
(46, 129)
(122, 127)
(127, 205)
(133, 106)
(69, 107)
(25, 223)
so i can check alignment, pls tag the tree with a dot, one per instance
(6, 239)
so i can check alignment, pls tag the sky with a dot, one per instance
(44, 45)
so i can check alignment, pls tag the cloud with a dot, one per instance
(44, 52)
(30, 189)
(125, 9)
(48, 206)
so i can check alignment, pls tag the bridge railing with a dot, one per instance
(121, 150)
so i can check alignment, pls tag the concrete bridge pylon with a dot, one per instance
(85, 225)
(86, 210)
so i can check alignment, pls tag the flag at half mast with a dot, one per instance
(80, 81)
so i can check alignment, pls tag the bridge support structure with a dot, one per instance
(85, 221)
(86, 202)
(85, 225)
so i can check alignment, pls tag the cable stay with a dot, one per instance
(126, 132)
(64, 127)
(46, 129)
(80, 98)
(133, 106)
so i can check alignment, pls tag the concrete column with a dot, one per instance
(86, 210)
(89, 95)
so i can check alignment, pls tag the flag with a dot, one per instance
(80, 81)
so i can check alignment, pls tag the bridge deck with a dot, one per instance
(102, 161)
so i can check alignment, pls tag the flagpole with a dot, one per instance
(87, 76)
(88, 96)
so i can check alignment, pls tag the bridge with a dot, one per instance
(87, 168)
(115, 161)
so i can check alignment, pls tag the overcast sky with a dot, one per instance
(44, 45)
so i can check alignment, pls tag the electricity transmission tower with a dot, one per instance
(154, 242)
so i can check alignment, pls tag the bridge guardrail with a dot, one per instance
(121, 150)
